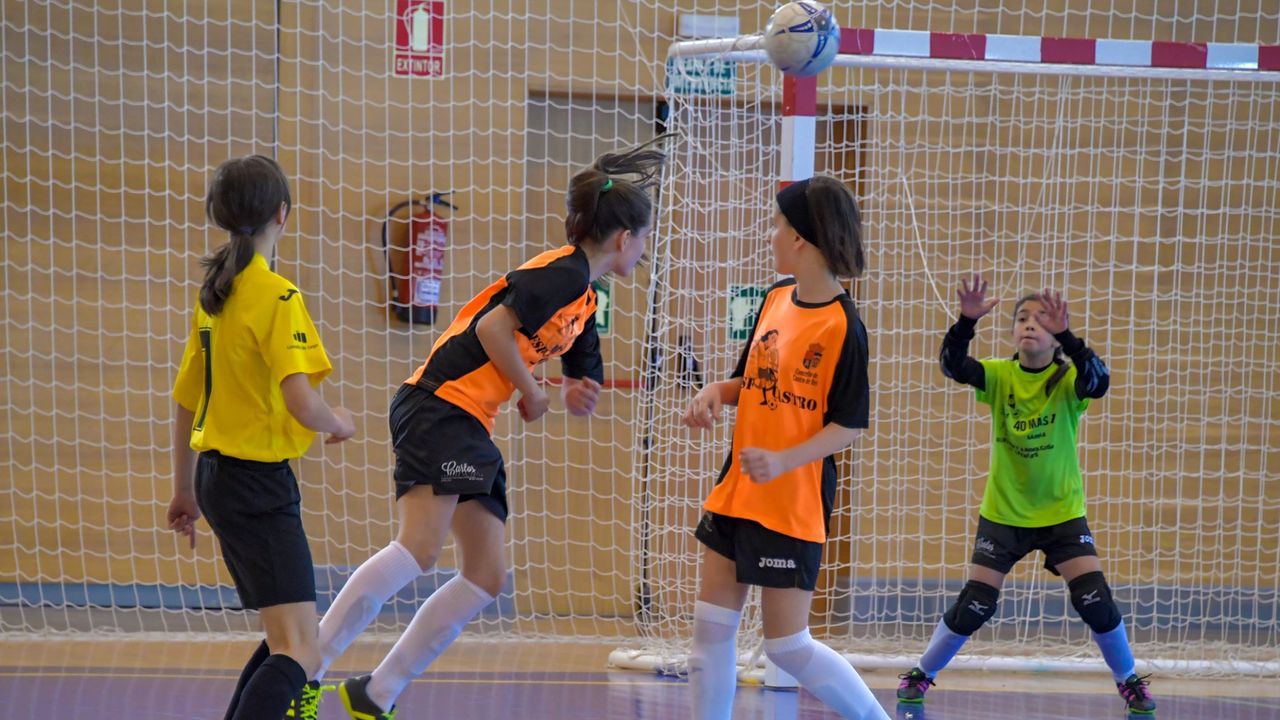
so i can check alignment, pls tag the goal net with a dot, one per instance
(1148, 196)
(1151, 201)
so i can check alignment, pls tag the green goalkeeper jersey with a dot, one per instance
(1035, 474)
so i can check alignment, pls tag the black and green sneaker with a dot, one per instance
(356, 700)
(306, 706)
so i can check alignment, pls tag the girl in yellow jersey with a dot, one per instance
(803, 394)
(449, 475)
(247, 403)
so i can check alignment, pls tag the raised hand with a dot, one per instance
(973, 298)
(1053, 318)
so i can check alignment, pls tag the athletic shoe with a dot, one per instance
(914, 685)
(357, 702)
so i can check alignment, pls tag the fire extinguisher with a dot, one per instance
(415, 280)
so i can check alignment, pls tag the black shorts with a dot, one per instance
(255, 511)
(440, 445)
(1000, 547)
(762, 557)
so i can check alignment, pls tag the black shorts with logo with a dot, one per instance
(1000, 547)
(762, 557)
(254, 509)
(443, 446)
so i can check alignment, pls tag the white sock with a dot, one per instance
(822, 671)
(360, 599)
(436, 624)
(713, 661)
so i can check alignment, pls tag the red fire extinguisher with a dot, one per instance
(416, 268)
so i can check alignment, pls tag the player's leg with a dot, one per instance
(713, 659)
(253, 509)
(472, 482)
(819, 669)
(425, 519)
(1071, 553)
(997, 548)
(294, 655)
(481, 542)
(281, 582)
(442, 453)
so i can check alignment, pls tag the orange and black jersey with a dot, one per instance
(804, 366)
(551, 296)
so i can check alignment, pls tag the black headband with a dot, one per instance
(793, 200)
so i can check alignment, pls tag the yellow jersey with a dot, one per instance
(233, 364)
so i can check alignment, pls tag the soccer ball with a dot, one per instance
(802, 38)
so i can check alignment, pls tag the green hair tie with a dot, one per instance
(608, 185)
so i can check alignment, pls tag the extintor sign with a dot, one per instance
(419, 38)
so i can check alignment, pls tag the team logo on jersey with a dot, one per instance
(813, 356)
(558, 338)
(807, 374)
(1011, 407)
(766, 365)
(301, 341)
(763, 374)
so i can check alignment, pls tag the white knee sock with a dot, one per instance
(360, 599)
(436, 624)
(822, 671)
(713, 661)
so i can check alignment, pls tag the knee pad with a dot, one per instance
(1091, 597)
(972, 609)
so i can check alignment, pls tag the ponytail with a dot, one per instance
(1058, 374)
(220, 270)
(244, 197)
(613, 194)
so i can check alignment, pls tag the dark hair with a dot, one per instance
(244, 195)
(1061, 372)
(601, 201)
(837, 225)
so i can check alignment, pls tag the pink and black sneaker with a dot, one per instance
(913, 686)
(1135, 692)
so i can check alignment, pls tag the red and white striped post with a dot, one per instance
(799, 128)
(799, 146)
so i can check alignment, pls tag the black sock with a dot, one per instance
(251, 667)
(269, 692)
